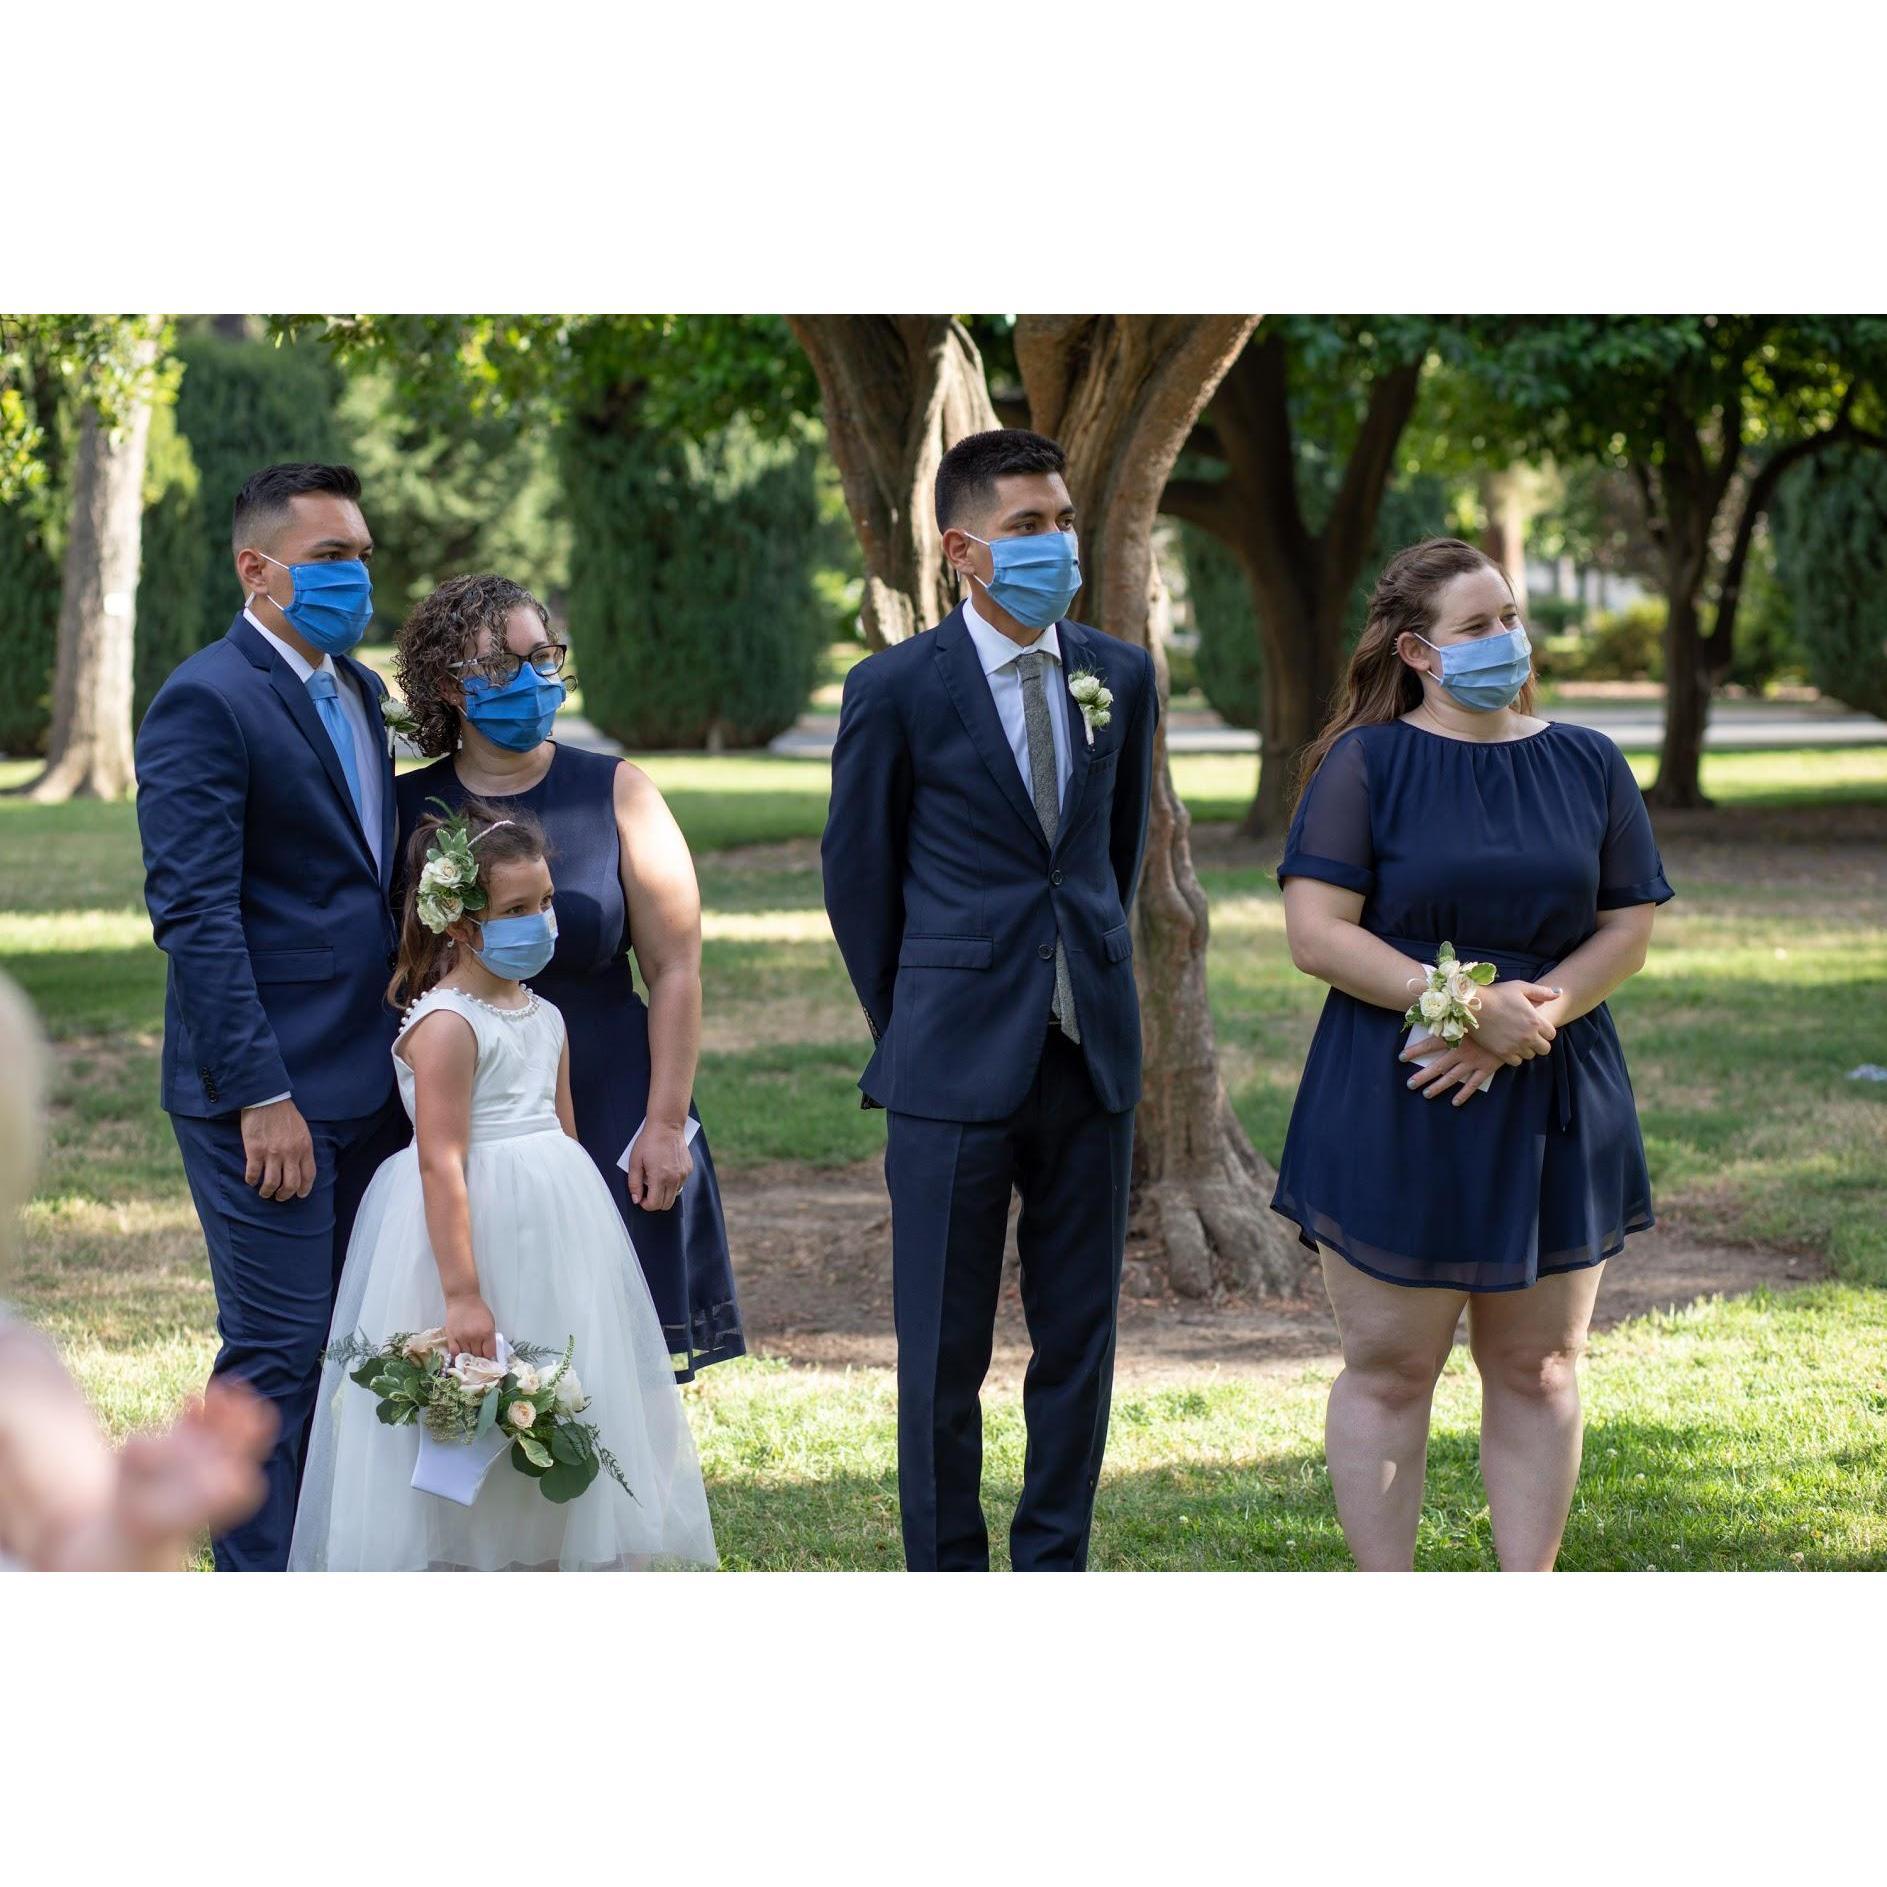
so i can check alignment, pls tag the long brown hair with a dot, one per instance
(1381, 686)
(498, 838)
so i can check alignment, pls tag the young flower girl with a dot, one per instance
(494, 1224)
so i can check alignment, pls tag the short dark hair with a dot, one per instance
(262, 503)
(966, 479)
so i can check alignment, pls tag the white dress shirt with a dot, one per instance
(998, 655)
(367, 756)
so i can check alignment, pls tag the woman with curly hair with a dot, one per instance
(481, 671)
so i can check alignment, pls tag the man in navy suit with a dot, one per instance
(988, 821)
(265, 804)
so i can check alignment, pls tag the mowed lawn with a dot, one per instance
(1744, 1433)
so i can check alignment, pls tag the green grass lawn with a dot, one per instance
(1739, 1433)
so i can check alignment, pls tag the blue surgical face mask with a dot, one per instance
(1488, 673)
(1035, 578)
(518, 714)
(518, 947)
(333, 602)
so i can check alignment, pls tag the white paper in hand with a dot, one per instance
(687, 1140)
(1439, 1050)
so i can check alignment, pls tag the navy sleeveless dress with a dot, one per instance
(1508, 850)
(684, 1250)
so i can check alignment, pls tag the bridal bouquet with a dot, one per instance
(1450, 995)
(483, 1403)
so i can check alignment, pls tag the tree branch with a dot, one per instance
(1205, 502)
(1353, 517)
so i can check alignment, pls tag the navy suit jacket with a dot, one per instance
(945, 896)
(263, 891)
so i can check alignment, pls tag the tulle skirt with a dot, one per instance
(553, 1262)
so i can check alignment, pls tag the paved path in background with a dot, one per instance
(1635, 725)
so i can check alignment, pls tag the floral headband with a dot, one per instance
(448, 884)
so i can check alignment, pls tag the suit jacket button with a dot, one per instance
(1054, 877)
(1046, 952)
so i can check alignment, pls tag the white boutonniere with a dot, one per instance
(400, 724)
(1093, 697)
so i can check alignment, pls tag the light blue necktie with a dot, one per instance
(327, 702)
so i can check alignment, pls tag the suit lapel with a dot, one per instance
(369, 687)
(1074, 656)
(968, 687)
(301, 710)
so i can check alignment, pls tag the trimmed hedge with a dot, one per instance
(695, 617)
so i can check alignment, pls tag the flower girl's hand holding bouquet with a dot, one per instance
(482, 1404)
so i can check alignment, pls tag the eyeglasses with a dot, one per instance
(502, 664)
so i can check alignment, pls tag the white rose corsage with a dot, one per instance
(400, 725)
(1445, 1011)
(1094, 698)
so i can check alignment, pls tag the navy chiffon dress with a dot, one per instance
(1508, 850)
(683, 1250)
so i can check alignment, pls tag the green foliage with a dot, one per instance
(1620, 645)
(29, 624)
(172, 560)
(1228, 663)
(1831, 558)
(450, 495)
(110, 362)
(684, 375)
(1764, 647)
(242, 405)
(695, 615)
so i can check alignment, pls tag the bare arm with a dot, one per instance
(1611, 956)
(664, 903)
(443, 1052)
(1322, 923)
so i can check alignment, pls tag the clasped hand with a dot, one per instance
(1512, 1031)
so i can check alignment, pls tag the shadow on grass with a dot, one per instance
(1652, 1497)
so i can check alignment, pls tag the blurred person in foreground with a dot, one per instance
(68, 1501)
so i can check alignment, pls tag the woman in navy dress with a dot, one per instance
(1499, 1176)
(480, 672)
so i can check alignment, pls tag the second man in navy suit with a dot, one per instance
(990, 787)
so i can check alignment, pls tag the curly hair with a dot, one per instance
(442, 632)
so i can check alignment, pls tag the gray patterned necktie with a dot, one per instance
(1042, 785)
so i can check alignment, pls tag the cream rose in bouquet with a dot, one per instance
(465, 1398)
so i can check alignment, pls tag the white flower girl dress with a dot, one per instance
(553, 1262)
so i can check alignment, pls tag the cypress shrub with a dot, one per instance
(1829, 528)
(696, 620)
(242, 405)
(29, 620)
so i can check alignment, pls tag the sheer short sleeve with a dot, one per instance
(1630, 870)
(1330, 834)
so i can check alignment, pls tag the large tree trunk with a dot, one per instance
(899, 391)
(1686, 706)
(1121, 394)
(1302, 639)
(90, 754)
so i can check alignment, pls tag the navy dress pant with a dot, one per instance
(275, 1264)
(950, 1184)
